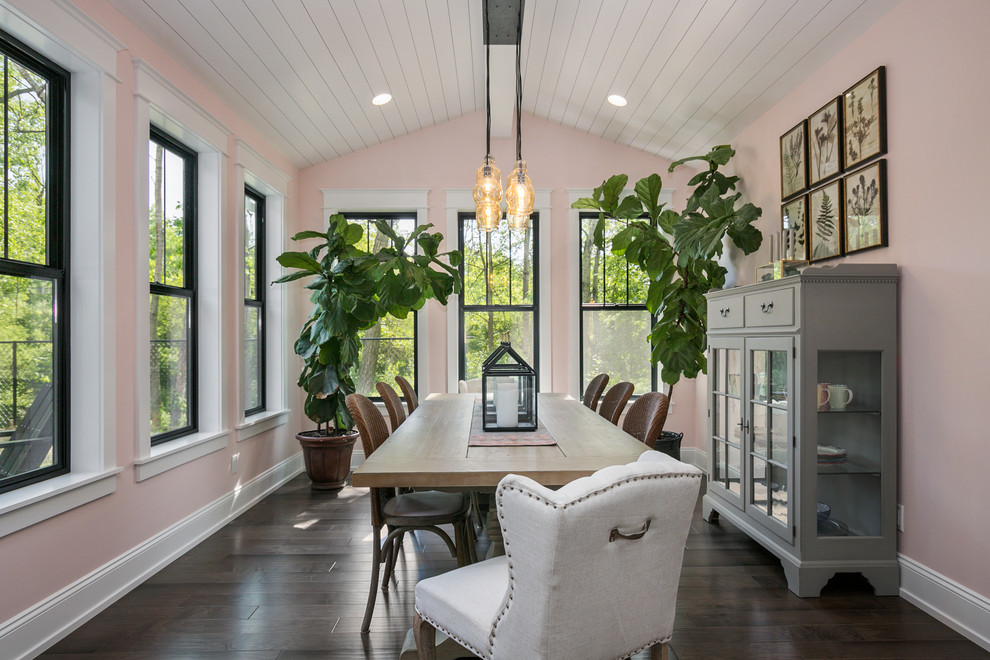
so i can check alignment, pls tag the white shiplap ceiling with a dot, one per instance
(695, 72)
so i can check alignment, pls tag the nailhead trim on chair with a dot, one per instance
(508, 554)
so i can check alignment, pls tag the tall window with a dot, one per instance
(34, 353)
(172, 228)
(499, 302)
(615, 324)
(254, 301)
(388, 348)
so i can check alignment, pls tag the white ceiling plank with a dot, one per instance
(443, 47)
(606, 31)
(417, 19)
(591, 15)
(539, 18)
(193, 45)
(560, 37)
(399, 33)
(467, 50)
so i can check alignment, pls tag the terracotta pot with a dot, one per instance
(328, 459)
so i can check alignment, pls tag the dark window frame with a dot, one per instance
(368, 217)
(533, 307)
(260, 300)
(189, 288)
(603, 306)
(56, 267)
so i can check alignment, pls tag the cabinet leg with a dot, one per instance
(806, 582)
(886, 580)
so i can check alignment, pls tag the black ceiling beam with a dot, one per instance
(503, 21)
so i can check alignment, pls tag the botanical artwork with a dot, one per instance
(864, 131)
(866, 222)
(824, 220)
(793, 161)
(793, 223)
(824, 143)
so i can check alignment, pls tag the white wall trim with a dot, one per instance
(42, 625)
(264, 169)
(66, 30)
(962, 609)
(178, 114)
(177, 452)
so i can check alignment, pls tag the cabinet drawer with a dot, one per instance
(726, 312)
(770, 308)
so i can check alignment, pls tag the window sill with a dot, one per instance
(261, 422)
(177, 452)
(32, 504)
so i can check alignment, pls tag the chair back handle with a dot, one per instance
(616, 534)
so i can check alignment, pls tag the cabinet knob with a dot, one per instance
(724, 311)
(767, 307)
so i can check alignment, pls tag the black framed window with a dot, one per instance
(254, 301)
(390, 347)
(34, 303)
(615, 324)
(501, 292)
(172, 268)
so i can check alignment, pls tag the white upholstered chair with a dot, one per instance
(590, 571)
(469, 386)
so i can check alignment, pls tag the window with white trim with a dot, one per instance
(255, 291)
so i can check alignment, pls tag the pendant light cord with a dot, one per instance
(488, 85)
(519, 83)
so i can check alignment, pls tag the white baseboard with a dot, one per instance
(41, 626)
(696, 457)
(962, 609)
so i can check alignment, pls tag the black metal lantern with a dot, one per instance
(508, 391)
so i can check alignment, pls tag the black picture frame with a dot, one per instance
(794, 161)
(825, 142)
(864, 113)
(794, 214)
(865, 220)
(825, 221)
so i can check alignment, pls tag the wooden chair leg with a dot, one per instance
(460, 542)
(376, 560)
(426, 638)
(390, 558)
(659, 651)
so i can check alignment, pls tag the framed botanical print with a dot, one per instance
(825, 221)
(794, 160)
(793, 223)
(866, 208)
(825, 142)
(864, 119)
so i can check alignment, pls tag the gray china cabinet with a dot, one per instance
(802, 421)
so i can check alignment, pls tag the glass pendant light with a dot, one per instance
(488, 180)
(519, 194)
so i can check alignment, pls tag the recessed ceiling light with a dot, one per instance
(617, 100)
(382, 99)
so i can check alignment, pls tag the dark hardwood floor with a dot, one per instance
(289, 580)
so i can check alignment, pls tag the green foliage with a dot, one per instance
(680, 271)
(353, 289)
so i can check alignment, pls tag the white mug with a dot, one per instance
(839, 396)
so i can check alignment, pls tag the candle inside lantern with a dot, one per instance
(507, 404)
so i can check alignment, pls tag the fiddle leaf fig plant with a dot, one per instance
(678, 251)
(354, 289)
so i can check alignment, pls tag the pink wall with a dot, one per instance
(937, 95)
(37, 560)
(446, 156)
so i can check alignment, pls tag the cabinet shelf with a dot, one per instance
(848, 467)
(862, 411)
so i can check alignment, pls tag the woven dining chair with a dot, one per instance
(646, 417)
(594, 391)
(412, 402)
(422, 510)
(615, 401)
(396, 413)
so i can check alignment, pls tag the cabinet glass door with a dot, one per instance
(770, 427)
(725, 369)
(849, 460)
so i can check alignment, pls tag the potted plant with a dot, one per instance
(354, 289)
(679, 252)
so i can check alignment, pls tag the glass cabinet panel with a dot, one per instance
(727, 430)
(769, 417)
(849, 443)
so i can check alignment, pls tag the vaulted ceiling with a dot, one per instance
(694, 72)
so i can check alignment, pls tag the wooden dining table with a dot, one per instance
(431, 448)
